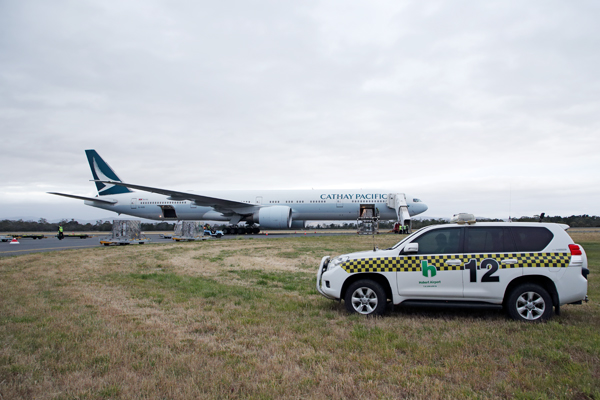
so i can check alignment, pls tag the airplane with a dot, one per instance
(264, 209)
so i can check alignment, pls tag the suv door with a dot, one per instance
(491, 262)
(435, 271)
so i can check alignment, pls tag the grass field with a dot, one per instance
(242, 319)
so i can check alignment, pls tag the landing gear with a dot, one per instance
(241, 230)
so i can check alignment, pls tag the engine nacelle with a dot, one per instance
(298, 224)
(274, 217)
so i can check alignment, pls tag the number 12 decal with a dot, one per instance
(488, 263)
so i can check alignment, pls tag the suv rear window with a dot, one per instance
(531, 238)
(488, 240)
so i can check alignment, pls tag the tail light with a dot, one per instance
(575, 250)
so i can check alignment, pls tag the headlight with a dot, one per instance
(336, 262)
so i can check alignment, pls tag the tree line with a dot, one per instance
(574, 221)
(42, 225)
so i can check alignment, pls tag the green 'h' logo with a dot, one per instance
(428, 268)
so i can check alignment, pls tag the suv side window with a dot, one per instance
(439, 241)
(531, 238)
(488, 240)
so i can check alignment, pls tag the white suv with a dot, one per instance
(527, 268)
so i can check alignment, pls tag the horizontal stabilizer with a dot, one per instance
(96, 199)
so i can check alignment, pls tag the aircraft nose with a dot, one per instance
(423, 207)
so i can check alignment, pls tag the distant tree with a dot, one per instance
(158, 226)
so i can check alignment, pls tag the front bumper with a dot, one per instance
(322, 268)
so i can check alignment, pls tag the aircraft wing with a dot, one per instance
(97, 199)
(221, 205)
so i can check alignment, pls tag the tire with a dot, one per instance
(365, 297)
(529, 303)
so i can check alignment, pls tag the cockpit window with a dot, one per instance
(417, 201)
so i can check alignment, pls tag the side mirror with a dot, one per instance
(411, 248)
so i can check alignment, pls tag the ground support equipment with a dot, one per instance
(10, 237)
(367, 225)
(76, 235)
(125, 232)
(190, 238)
(122, 242)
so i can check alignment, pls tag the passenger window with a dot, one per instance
(488, 240)
(439, 241)
(531, 238)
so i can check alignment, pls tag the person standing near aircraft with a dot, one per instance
(61, 235)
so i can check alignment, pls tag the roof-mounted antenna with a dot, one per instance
(509, 201)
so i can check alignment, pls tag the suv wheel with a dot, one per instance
(365, 297)
(529, 302)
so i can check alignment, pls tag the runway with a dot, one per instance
(51, 243)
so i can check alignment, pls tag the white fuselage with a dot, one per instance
(313, 205)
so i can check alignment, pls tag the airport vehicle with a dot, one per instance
(74, 235)
(526, 268)
(213, 233)
(274, 209)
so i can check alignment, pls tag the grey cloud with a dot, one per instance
(451, 99)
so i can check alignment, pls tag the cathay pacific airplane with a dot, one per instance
(272, 209)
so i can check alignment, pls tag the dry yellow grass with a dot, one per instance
(241, 319)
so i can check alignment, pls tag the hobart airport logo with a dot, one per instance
(428, 269)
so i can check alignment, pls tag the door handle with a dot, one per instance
(453, 262)
(509, 261)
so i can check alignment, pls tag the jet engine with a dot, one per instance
(298, 224)
(274, 217)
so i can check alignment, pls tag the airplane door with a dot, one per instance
(339, 203)
(259, 200)
(133, 203)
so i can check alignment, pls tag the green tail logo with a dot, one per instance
(426, 269)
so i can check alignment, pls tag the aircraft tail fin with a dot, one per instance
(103, 172)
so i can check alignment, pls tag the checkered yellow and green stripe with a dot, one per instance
(413, 263)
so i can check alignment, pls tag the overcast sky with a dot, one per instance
(489, 107)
